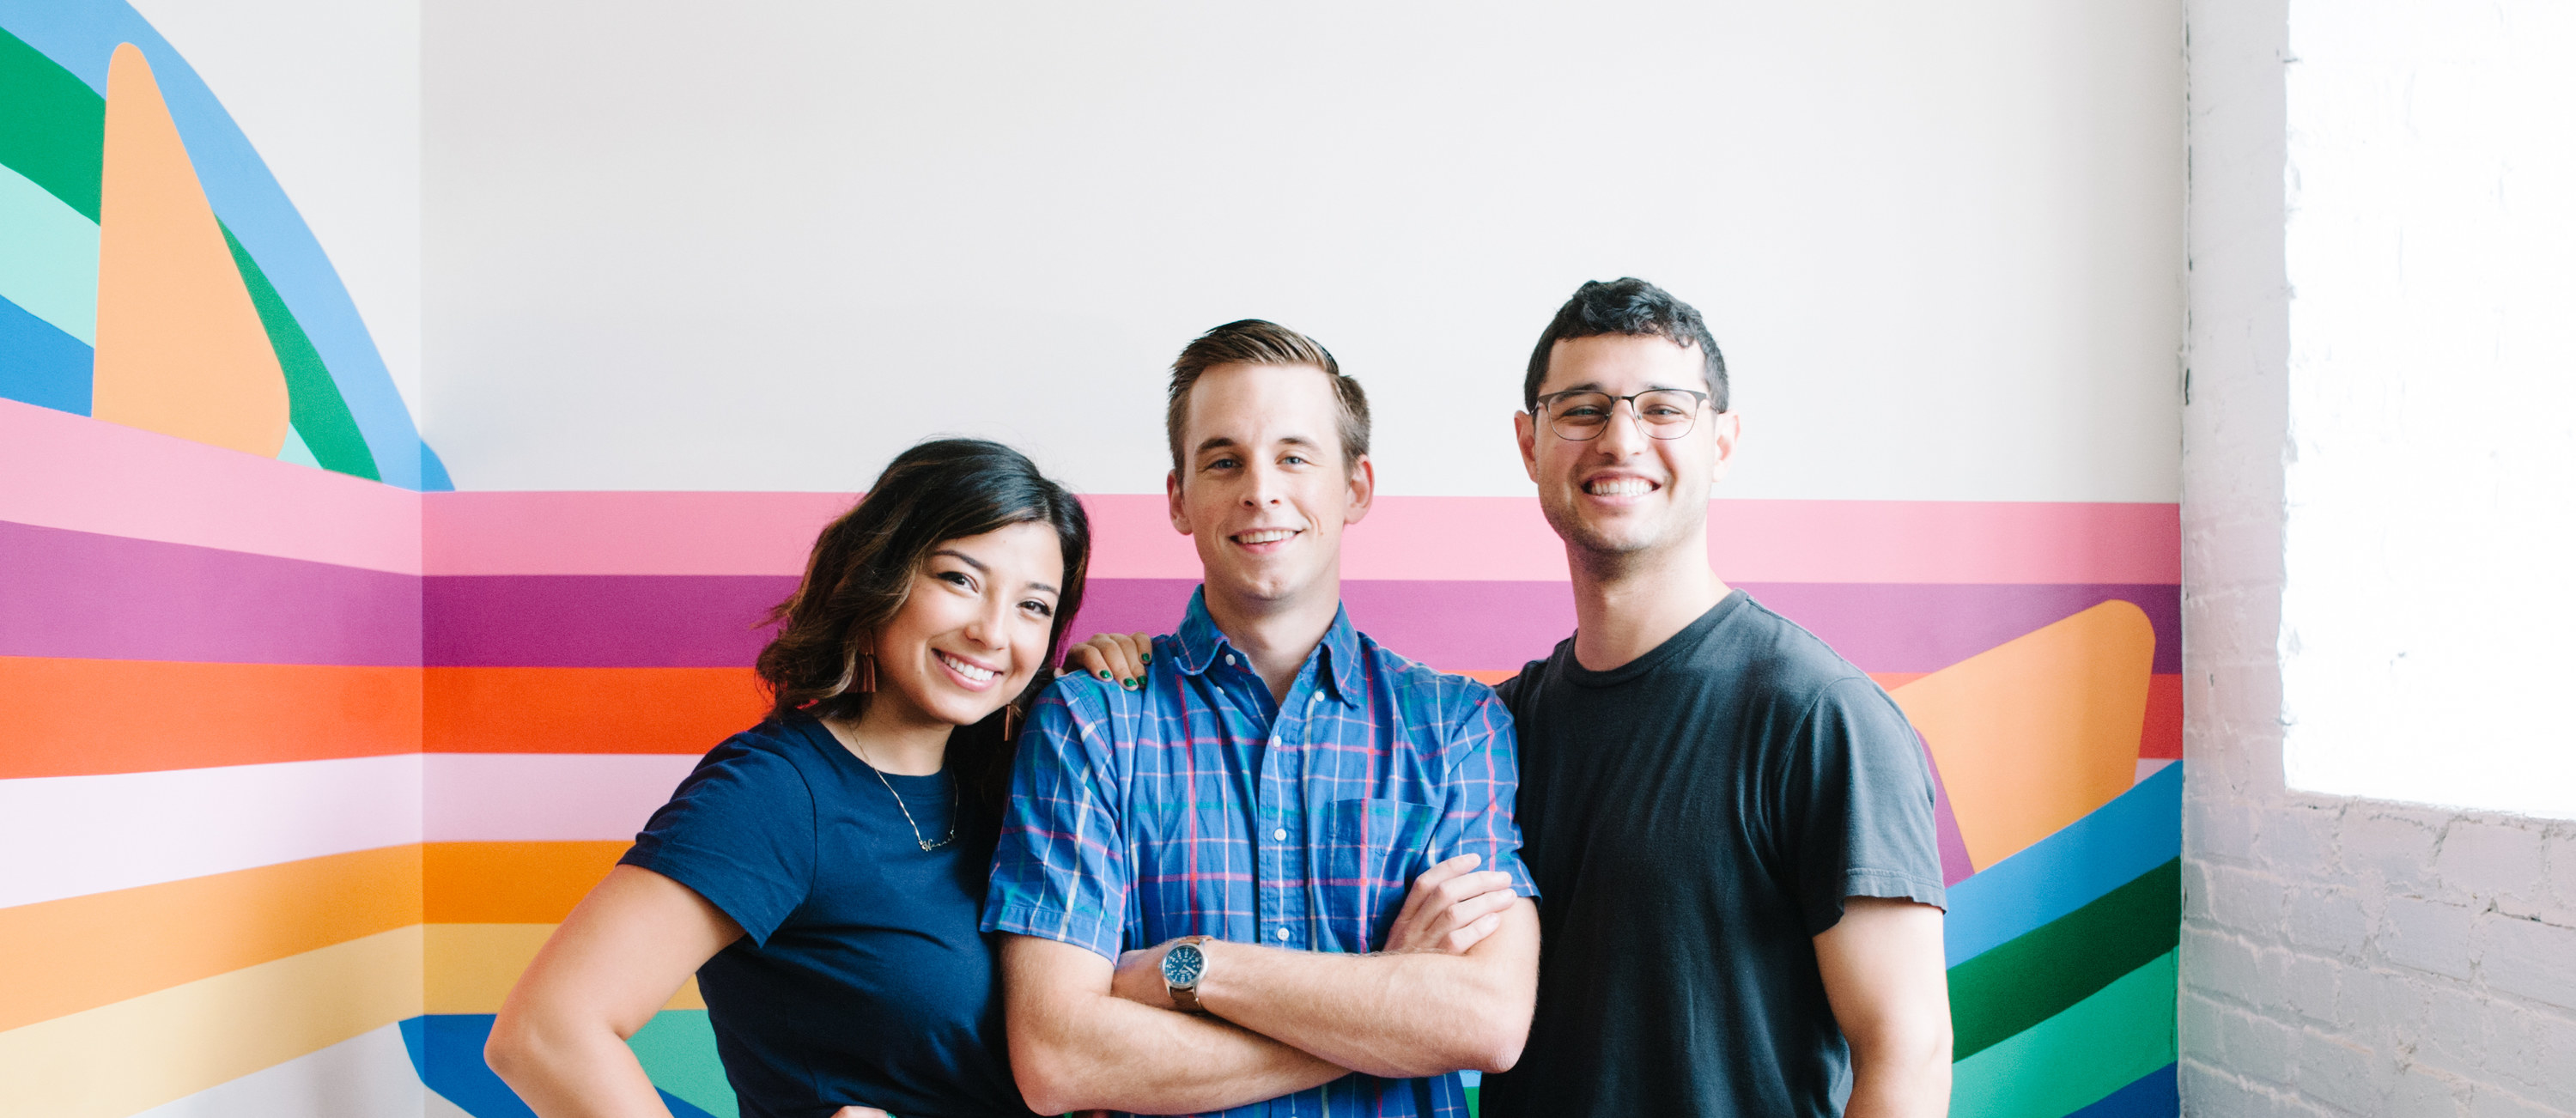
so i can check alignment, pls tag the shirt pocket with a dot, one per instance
(1373, 849)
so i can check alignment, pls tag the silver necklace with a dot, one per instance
(925, 845)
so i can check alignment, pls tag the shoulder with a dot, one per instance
(773, 753)
(1777, 662)
(1446, 700)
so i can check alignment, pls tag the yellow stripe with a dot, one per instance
(472, 966)
(141, 1052)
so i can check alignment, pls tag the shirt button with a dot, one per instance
(1283, 933)
(1317, 697)
(1229, 659)
(1280, 835)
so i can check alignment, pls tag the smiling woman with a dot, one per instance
(821, 872)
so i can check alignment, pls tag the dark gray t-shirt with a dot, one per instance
(1693, 819)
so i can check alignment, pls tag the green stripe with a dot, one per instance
(313, 402)
(2032, 977)
(2074, 1059)
(53, 125)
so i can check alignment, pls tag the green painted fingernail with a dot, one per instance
(1104, 676)
(1145, 658)
(1131, 685)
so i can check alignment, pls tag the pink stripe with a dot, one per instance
(545, 797)
(86, 475)
(1480, 539)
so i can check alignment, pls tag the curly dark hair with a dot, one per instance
(861, 571)
(1632, 307)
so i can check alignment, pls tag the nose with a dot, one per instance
(988, 626)
(1264, 490)
(1625, 433)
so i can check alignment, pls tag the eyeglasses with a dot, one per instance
(1580, 416)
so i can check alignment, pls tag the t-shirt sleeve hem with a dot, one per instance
(1886, 884)
(687, 865)
(1061, 925)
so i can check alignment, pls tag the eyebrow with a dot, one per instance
(1595, 386)
(980, 568)
(1227, 442)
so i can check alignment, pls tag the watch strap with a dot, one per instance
(1186, 998)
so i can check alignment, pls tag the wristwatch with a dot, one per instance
(1182, 966)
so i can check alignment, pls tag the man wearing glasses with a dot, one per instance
(1730, 826)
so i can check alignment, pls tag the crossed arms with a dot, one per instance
(1453, 990)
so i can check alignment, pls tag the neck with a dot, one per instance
(894, 738)
(1277, 633)
(1626, 605)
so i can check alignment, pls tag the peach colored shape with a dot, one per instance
(180, 346)
(2036, 732)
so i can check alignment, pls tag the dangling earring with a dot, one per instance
(1010, 723)
(867, 672)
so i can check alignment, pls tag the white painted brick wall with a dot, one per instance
(2340, 956)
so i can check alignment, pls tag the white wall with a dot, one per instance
(2432, 476)
(329, 93)
(764, 249)
(2340, 955)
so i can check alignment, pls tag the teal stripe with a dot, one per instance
(678, 1049)
(2036, 977)
(48, 257)
(2078, 1057)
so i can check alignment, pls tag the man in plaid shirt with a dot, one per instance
(1314, 806)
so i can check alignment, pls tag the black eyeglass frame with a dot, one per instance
(1547, 404)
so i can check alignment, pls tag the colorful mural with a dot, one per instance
(156, 274)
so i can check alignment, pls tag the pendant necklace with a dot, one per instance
(925, 844)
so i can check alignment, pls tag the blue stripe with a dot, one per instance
(2157, 1094)
(40, 364)
(2137, 832)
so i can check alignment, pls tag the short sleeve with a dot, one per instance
(1060, 871)
(1855, 807)
(1484, 779)
(739, 832)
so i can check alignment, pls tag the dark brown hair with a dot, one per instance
(861, 571)
(1253, 341)
(1636, 309)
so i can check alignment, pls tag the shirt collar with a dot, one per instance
(1202, 645)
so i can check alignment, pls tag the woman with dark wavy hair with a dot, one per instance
(822, 872)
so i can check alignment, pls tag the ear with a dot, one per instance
(1172, 496)
(1363, 483)
(1525, 431)
(1726, 428)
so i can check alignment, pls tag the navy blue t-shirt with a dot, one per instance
(861, 978)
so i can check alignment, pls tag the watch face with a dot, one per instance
(1182, 964)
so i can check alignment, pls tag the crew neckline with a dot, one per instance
(1690, 635)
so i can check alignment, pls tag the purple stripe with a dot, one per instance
(597, 621)
(91, 596)
(710, 621)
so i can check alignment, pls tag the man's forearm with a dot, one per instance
(1076, 1047)
(1884, 1086)
(1392, 1015)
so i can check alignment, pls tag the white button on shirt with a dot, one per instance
(1280, 835)
(1229, 659)
(1283, 933)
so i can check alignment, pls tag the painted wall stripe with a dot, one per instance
(117, 1059)
(2120, 840)
(473, 966)
(41, 365)
(368, 1074)
(2157, 1094)
(709, 620)
(62, 957)
(587, 710)
(72, 717)
(64, 836)
(511, 882)
(2077, 1058)
(122, 481)
(82, 595)
(546, 797)
(2040, 974)
(667, 533)
(51, 268)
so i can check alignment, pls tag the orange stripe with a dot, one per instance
(65, 956)
(511, 882)
(83, 717)
(587, 710)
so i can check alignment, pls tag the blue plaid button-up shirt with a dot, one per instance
(1196, 805)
